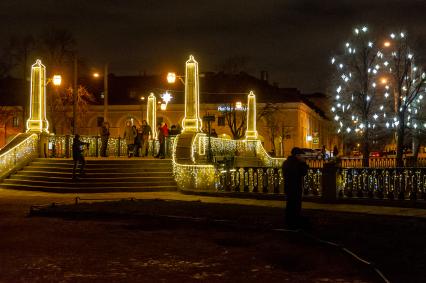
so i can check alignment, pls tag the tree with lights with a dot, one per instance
(407, 85)
(235, 117)
(356, 95)
(379, 90)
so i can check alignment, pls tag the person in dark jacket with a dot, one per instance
(129, 135)
(77, 155)
(104, 138)
(146, 133)
(163, 132)
(294, 169)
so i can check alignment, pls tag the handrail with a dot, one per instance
(18, 155)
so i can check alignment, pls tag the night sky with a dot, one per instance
(292, 40)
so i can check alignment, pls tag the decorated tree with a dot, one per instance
(356, 96)
(406, 83)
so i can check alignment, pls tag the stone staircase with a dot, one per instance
(101, 175)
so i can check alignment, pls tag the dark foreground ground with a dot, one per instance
(181, 241)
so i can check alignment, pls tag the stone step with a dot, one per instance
(92, 189)
(82, 182)
(106, 160)
(98, 170)
(92, 165)
(68, 173)
(91, 178)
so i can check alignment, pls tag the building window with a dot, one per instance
(221, 121)
(15, 122)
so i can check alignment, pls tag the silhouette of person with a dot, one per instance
(77, 155)
(294, 169)
(104, 138)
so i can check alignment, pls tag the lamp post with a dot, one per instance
(142, 102)
(105, 92)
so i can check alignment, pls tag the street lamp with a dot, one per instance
(142, 101)
(57, 80)
(171, 78)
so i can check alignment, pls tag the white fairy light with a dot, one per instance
(364, 29)
(392, 35)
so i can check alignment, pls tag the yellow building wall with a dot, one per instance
(295, 122)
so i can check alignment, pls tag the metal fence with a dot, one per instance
(61, 146)
(382, 183)
(266, 180)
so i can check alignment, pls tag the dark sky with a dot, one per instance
(293, 40)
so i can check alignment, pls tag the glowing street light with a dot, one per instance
(171, 78)
(142, 98)
(387, 44)
(57, 80)
(96, 75)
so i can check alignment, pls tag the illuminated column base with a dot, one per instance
(37, 126)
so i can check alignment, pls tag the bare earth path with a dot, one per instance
(142, 242)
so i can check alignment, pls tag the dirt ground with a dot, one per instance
(181, 241)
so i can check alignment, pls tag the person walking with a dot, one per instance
(104, 138)
(294, 169)
(77, 155)
(129, 136)
(146, 133)
(163, 132)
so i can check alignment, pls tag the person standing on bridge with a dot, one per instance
(78, 156)
(146, 133)
(104, 138)
(294, 170)
(129, 135)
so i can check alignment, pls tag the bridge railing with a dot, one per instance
(407, 183)
(17, 153)
(61, 146)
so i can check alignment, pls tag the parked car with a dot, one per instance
(376, 154)
(356, 153)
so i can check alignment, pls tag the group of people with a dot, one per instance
(137, 139)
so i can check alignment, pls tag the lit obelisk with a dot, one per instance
(37, 121)
(191, 122)
(151, 114)
(251, 132)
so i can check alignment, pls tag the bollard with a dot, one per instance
(329, 181)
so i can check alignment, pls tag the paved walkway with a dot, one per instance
(45, 198)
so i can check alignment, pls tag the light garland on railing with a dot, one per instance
(19, 154)
(193, 176)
